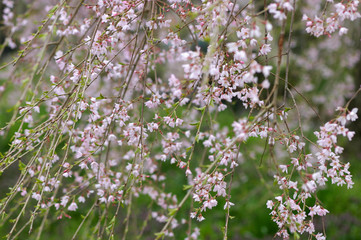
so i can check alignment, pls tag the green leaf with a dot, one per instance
(201, 109)
(38, 181)
(192, 15)
(65, 146)
(159, 235)
(172, 211)
(53, 9)
(22, 166)
(100, 97)
(287, 109)
(194, 124)
(137, 151)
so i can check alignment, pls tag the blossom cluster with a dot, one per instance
(120, 99)
(290, 210)
(334, 21)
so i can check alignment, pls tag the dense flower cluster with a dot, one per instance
(328, 24)
(290, 210)
(115, 92)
